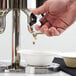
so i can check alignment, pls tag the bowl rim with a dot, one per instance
(29, 52)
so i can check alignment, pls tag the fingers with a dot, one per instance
(44, 27)
(48, 30)
(43, 21)
(51, 32)
(37, 27)
(54, 31)
(41, 9)
(60, 30)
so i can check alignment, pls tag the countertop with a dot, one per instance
(24, 74)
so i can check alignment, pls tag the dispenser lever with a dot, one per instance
(34, 19)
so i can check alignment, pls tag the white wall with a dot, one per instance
(64, 42)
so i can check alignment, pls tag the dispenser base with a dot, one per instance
(15, 68)
(54, 67)
(29, 69)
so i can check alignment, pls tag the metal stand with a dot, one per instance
(37, 70)
(53, 68)
(15, 43)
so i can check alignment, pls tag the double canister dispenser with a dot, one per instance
(16, 6)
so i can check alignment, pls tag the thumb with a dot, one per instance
(41, 9)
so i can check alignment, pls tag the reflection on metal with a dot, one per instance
(37, 70)
(5, 6)
(16, 6)
(53, 68)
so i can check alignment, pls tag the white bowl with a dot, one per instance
(37, 58)
(69, 58)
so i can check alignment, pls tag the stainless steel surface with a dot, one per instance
(2, 23)
(24, 74)
(15, 6)
(5, 4)
(15, 36)
(3, 14)
(29, 70)
(28, 13)
(23, 4)
(39, 70)
(32, 19)
(19, 4)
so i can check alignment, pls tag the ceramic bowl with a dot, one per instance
(37, 58)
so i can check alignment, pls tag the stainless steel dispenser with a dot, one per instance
(16, 6)
(31, 19)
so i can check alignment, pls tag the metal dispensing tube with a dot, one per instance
(15, 6)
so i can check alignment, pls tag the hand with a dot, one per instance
(59, 15)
